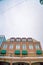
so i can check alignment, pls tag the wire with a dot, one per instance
(14, 6)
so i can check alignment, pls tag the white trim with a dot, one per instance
(21, 57)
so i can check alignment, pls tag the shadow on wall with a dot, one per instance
(4, 63)
(20, 63)
(37, 63)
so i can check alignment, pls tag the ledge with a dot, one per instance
(7, 57)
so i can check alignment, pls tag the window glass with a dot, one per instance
(37, 46)
(30, 46)
(17, 46)
(18, 40)
(11, 46)
(24, 46)
(12, 39)
(23, 39)
(5, 46)
(29, 39)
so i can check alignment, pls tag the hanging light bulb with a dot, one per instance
(41, 1)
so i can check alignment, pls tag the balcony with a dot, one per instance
(24, 52)
(39, 52)
(17, 53)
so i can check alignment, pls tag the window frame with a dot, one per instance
(23, 39)
(11, 46)
(5, 46)
(24, 47)
(30, 40)
(31, 46)
(37, 46)
(18, 39)
(18, 46)
(12, 39)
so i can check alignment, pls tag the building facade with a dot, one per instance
(21, 51)
(2, 39)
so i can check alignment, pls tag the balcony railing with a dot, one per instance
(30, 54)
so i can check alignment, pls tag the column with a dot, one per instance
(30, 63)
(10, 63)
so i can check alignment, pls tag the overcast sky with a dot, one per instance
(21, 18)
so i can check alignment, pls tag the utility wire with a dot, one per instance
(14, 6)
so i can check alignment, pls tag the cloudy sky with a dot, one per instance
(21, 18)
